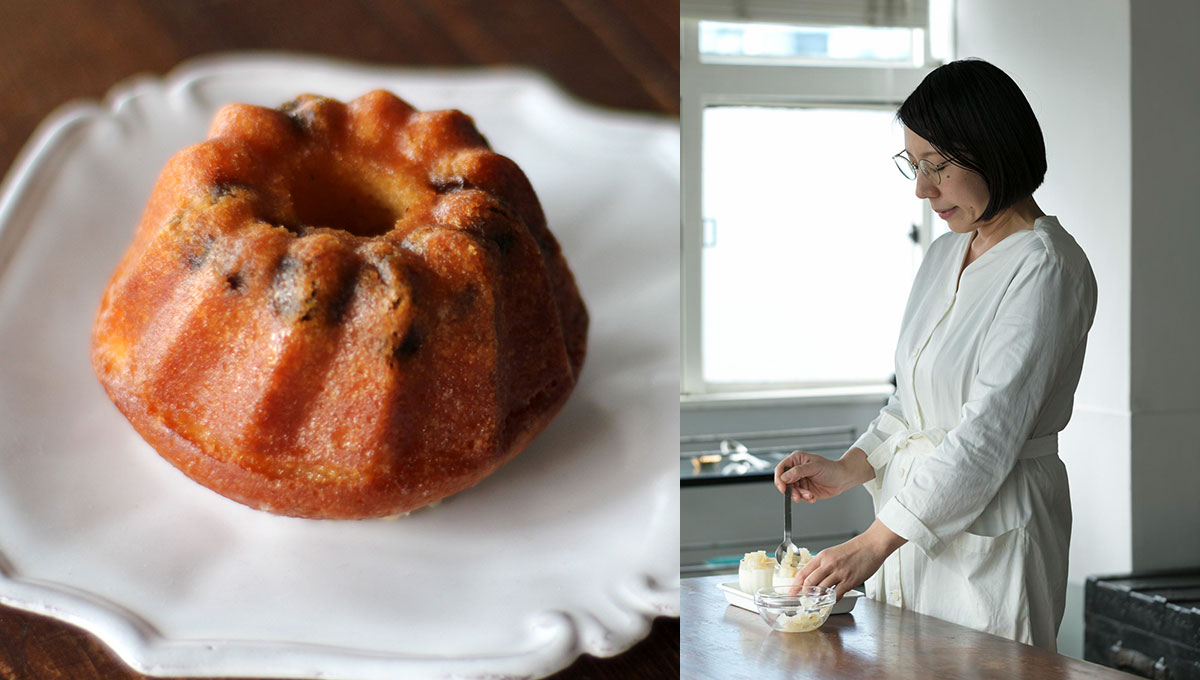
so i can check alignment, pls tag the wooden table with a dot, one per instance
(616, 53)
(875, 641)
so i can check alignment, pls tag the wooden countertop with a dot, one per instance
(620, 54)
(875, 641)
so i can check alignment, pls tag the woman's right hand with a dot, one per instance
(811, 477)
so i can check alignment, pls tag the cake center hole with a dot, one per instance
(324, 197)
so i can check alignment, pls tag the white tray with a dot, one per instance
(571, 548)
(738, 598)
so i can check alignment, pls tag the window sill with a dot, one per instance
(791, 397)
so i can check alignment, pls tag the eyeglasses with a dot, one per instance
(909, 169)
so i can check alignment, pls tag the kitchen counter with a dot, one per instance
(875, 640)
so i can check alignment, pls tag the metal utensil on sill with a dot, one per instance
(741, 461)
(782, 550)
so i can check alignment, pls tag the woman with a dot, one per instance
(973, 514)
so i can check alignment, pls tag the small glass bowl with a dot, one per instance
(806, 610)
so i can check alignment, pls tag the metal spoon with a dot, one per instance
(782, 550)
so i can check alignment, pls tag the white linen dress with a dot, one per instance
(965, 451)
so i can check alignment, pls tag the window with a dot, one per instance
(808, 218)
(800, 239)
(735, 42)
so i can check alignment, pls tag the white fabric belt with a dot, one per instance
(924, 441)
(1039, 446)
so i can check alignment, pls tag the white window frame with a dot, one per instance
(704, 83)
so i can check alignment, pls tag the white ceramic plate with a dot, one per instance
(738, 598)
(571, 548)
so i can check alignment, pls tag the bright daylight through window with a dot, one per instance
(808, 253)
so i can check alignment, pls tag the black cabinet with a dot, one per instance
(1146, 624)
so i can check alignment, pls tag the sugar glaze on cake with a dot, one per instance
(340, 310)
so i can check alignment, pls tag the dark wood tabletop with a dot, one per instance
(875, 641)
(621, 54)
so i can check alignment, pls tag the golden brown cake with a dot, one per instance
(340, 310)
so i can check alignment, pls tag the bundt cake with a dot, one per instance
(339, 310)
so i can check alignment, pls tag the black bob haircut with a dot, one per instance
(976, 116)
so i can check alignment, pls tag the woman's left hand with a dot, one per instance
(851, 563)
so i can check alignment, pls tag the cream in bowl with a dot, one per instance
(804, 611)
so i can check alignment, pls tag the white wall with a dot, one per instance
(1165, 310)
(1114, 86)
